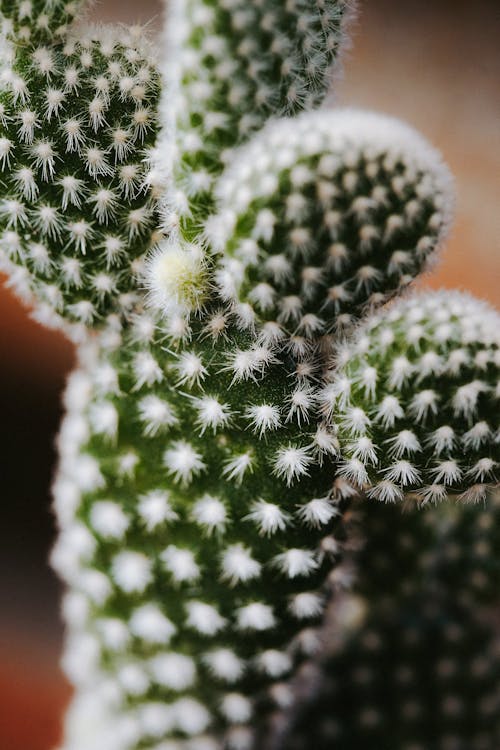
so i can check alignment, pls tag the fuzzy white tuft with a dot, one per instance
(236, 708)
(238, 565)
(224, 664)
(204, 618)
(173, 670)
(180, 563)
(183, 462)
(176, 278)
(150, 624)
(109, 520)
(255, 616)
(296, 562)
(131, 571)
(268, 517)
(154, 509)
(210, 513)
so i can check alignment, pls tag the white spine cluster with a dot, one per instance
(200, 508)
(79, 206)
(429, 424)
(215, 583)
(380, 200)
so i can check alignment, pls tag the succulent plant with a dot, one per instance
(417, 399)
(212, 250)
(420, 667)
(79, 115)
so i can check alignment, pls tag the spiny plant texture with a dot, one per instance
(412, 675)
(417, 399)
(231, 66)
(209, 264)
(323, 216)
(78, 118)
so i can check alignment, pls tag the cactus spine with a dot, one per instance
(209, 263)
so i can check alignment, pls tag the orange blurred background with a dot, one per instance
(436, 65)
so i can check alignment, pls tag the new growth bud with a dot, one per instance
(177, 278)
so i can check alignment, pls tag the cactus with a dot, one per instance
(209, 264)
(78, 117)
(417, 397)
(421, 668)
(232, 65)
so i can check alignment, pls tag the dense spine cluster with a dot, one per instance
(327, 215)
(416, 400)
(211, 266)
(78, 210)
(422, 669)
(230, 66)
(199, 536)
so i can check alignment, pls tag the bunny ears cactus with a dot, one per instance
(422, 670)
(327, 215)
(38, 21)
(78, 120)
(232, 65)
(416, 402)
(211, 263)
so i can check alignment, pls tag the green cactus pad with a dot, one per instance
(204, 528)
(78, 211)
(29, 21)
(415, 400)
(208, 271)
(325, 216)
(232, 65)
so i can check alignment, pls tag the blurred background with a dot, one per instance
(436, 65)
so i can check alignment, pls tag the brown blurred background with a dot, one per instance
(434, 64)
